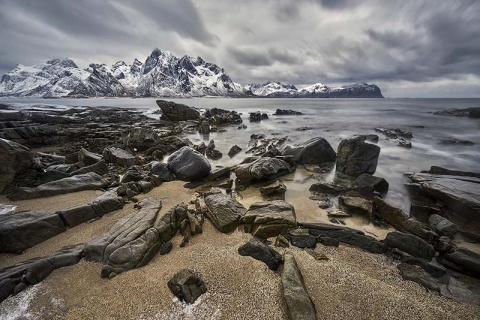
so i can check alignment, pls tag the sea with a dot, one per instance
(334, 120)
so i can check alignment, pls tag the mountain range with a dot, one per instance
(162, 74)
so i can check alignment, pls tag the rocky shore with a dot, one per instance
(107, 213)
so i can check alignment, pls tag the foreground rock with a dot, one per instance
(172, 111)
(262, 169)
(299, 304)
(118, 156)
(257, 248)
(187, 286)
(269, 219)
(20, 231)
(81, 182)
(355, 156)
(16, 159)
(188, 164)
(274, 191)
(314, 151)
(224, 212)
(419, 276)
(20, 276)
(410, 244)
(365, 184)
(465, 261)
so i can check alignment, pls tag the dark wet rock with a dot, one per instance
(314, 151)
(211, 152)
(299, 303)
(161, 170)
(172, 111)
(187, 286)
(410, 244)
(258, 249)
(220, 117)
(16, 159)
(234, 151)
(118, 156)
(378, 184)
(364, 184)
(262, 169)
(443, 171)
(465, 260)
(304, 129)
(134, 173)
(18, 277)
(219, 173)
(274, 191)
(356, 205)
(325, 204)
(346, 235)
(166, 248)
(418, 275)
(327, 241)
(257, 116)
(423, 212)
(23, 230)
(242, 127)
(81, 182)
(442, 225)
(259, 145)
(435, 270)
(455, 141)
(301, 238)
(224, 212)
(87, 158)
(282, 112)
(188, 164)
(468, 112)
(397, 135)
(444, 245)
(371, 138)
(355, 156)
(459, 195)
(99, 168)
(269, 219)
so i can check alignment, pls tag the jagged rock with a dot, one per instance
(355, 156)
(99, 168)
(118, 156)
(223, 117)
(281, 112)
(444, 245)
(419, 276)
(87, 158)
(18, 277)
(166, 248)
(301, 238)
(442, 225)
(314, 151)
(299, 304)
(356, 205)
(465, 260)
(172, 111)
(224, 212)
(346, 235)
(257, 116)
(274, 191)
(23, 230)
(234, 151)
(410, 244)
(134, 173)
(187, 286)
(211, 152)
(269, 219)
(161, 170)
(257, 248)
(15, 160)
(281, 241)
(262, 169)
(188, 164)
(81, 182)
(378, 184)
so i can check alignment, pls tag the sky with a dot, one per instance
(417, 48)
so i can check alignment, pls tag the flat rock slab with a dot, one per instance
(81, 182)
(20, 231)
(410, 244)
(299, 304)
(269, 219)
(264, 168)
(419, 276)
(224, 212)
(118, 156)
(257, 248)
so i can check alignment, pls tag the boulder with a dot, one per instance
(134, 173)
(418, 275)
(172, 111)
(299, 304)
(314, 151)
(265, 168)
(356, 205)
(410, 244)
(234, 151)
(466, 261)
(258, 249)
(187, 286)
(274, 191)
(161, 170)
(23, 230)
(81, 182)
(188, 164)
(355, 156)
(365, 184)
(15, 160)
(269, 219)
(301, 238)
(224, 212)
(434, 269)
(211, 152)
(442, 225)
(87, 158)
(257, 116)
(118, 156)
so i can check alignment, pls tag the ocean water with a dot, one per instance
(335, 119)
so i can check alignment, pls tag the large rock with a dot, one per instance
(356, 205)
(188, 164)
(346, 235)
(87, 158)
(459, 195)
(442, 225)
(269, 219)
(465, 260)
(161, 170)
(262, 169)
(81, 182)
(355, 156)
(118, 156)
(15, 159)
(314, 151)
(418, 275)
(257, 248)
(410, 244)
(172, 111)
(224, 212)
(187, 286)
(274, 191)
(20, 231)
(299, 304)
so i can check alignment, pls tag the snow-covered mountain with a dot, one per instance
(162, 74)
(317, 90)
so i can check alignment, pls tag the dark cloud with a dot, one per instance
(250, 57)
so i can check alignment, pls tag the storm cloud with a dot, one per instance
(401, 46)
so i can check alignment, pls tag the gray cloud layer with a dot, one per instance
(400, 45)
